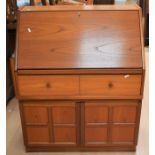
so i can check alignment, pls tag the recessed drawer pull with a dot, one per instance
(126, 76)
(110, 84)
(48, 85)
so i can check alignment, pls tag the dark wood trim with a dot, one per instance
(50, 119)
(139, 106)
(103, 2)
(119, 148)
(81, 98)
(82, 124)
(79, 71)
(23, 123)
(13, 75)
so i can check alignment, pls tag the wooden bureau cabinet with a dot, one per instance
(79, 79)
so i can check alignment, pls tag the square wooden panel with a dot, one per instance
(65, 135)
(37, 135)
(96, 135)
(124, 114)
(96, 113)
(64, 114)
(36, 115)
(123, 134)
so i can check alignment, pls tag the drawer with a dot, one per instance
(110, 85)
(48, 85)
(35, 115)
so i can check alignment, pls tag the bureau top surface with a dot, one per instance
(79, 37)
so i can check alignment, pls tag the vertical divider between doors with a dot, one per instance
(110, 115)
(51, 129)
(82, 121)
(78, 123)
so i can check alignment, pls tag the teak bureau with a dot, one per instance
(79, 76)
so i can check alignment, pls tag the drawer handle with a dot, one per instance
(48, 85)
(110, 85)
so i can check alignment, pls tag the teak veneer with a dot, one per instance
(79, 77)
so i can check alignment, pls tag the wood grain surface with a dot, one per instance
(110, 85)
(93, 39)
(48, 85)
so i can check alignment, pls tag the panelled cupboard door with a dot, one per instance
(110, 122)
(50, 122)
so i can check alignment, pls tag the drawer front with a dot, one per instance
(110, 85)
(35, 115)
(48, 85)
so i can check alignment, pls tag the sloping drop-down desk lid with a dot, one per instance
(73, 37)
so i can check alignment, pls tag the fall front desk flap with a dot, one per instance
(62, 37)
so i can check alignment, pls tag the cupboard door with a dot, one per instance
(38, 135)
(123, 134)
(35, 115)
